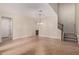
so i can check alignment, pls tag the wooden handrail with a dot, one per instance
(60, 26)
(63, 35)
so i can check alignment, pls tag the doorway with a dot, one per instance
(6, 29)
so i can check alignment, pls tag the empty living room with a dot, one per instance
(39, 28)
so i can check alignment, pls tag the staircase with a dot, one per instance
(67, 36)
(70, 37)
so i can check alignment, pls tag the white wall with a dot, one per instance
(24, 18)
(54, 6)
(22, 23)
(49, 28)
(23, 27)
(67, 16)
(77, 19)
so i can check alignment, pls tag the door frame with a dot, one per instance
(11, 27)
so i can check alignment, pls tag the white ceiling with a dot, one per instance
(27, 8)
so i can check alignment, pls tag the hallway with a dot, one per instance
(54, 28)
(38, 46)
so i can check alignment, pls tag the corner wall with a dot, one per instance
(67, 16)
(49, 28)
(22, 23)
(77, 19)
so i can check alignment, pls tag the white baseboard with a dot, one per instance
(50, 37)
(14, 38)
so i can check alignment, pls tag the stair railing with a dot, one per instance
(60, 26)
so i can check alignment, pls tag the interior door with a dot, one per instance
(6, 33)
